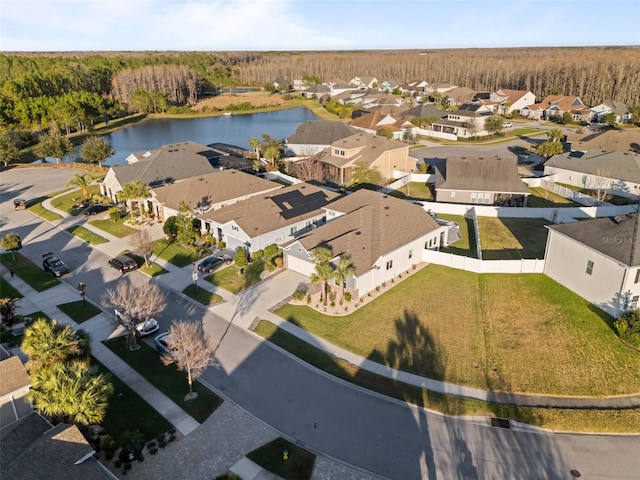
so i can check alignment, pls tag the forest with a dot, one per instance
(77, 89)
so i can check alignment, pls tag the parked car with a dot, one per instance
(507, 124)
(161, 343)
(144, 328)
(95, 209)
(19, 203)
(124, 263)
(53, 265)
(209, 264)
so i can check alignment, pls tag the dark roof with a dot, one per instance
(499, 175)
(617, 165)
(216, 187)
(54, 456)
(169, 163)
(322, 132)
(424, 111)
(605, 235)
(374, 224)
(317, 88)
(14, 376)
(265, 213)
(471, 110)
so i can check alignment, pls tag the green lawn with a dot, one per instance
(466, 246)
(7, 289)
(117, 229)
(414, 191)
(541, 197)
(128, 411)
(232, 280)
(28, 271)
(36, 208)
(512, 238)
(555, 419)
(175, 253)
(152, 270)
(298, 464)
(87, 235)
(516, 333)
(201, 295)
(167, 379)
(68, 201)
(78, 311)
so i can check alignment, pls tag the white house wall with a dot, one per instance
(566, 263)
(587, 180)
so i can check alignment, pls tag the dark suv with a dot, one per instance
(53, 265)
(209, 264)
(124, 263)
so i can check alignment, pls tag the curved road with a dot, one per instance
(378, 434)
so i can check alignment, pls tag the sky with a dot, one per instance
(241, 25)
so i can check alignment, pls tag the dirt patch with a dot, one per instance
(257, 99)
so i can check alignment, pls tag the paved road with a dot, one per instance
(380, 435)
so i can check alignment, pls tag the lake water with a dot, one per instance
(235, 130)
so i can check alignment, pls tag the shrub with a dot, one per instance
(141, 458)
(222, 245)
(332, 297)
(270, 250)
(127, 466)
(170, 227)
(151, 444)
(278, 262)
(117, 463)
(114, 214)
(241, 257)
(347, 296)
(422, 167)
(628, 327)
(299, 294)
(153, 451)
(308, 298)
(162, 444)
(257, 255)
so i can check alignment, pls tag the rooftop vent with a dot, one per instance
(617, 219)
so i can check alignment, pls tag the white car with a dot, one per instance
(143, 328)
(507, 124)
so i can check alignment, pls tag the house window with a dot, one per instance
(589, 267)
(634, 302)
(389, 264)
(294, 230)
(453, 194)
(234, 228)
(410, 253)
(474, 197)
(487, 198)
(637, 276)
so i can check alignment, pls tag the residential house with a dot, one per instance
(554, 106)
(506, 102)
(597, 259)
(440, 87)
(375, 120)
(415, 87)
(14, 388)
(208, 192)
(384, 100)
(167, 164)
(616, 173)
(382, 235)
(622, 112)
(364, 82)
(337, 87)
(281, 84)
(273, 218)
(466, 122)
(374, 151)
(388, 86)
(488, 181)
(316, 91)
(312, 137)
(424, 111)
(458, 96)
(613, 140)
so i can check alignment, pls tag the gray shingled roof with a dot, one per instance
(605, 236)
(321, 132)
(499, 175)
(374, 225)
(212, 188)
(169, 163)
(471, 110)
(424, 111)
(618, 165)
(265, 213)
(375, 145)
(53, 456)
(13, 374)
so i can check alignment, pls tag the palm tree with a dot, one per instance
(136, 190)
(272, 155)
(82, 181)
(255, 144)
(324, 269)
(344, 269)
(71, 390)
(47, 342)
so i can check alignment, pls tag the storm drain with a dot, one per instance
(500, 422)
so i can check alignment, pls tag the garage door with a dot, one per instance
(305, 267)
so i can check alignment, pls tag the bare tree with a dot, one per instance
(137, 305)
(189, 348)
(143, 243)
(474, 127)
(602, 185)
(309, 169)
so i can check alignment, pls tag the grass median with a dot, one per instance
(87, 235)
(79, 311)
(29, 272)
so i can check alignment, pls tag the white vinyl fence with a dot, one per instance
(483, 266)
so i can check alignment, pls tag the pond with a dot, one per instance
(235, 130)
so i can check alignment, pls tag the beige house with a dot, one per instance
(373, 150)
(553, 106)
(486, 181)
(597, 259)
(505, 101)
(466, 122)
(208, 192)
(382, 235)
